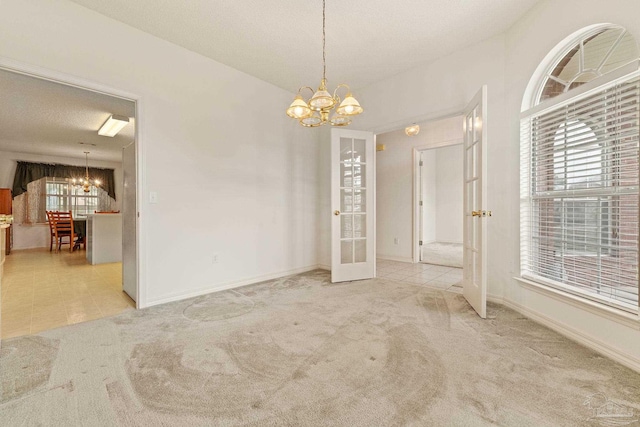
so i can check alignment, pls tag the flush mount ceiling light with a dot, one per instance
(86, 183)
(113, 125)
(315, 112)
(412, 130)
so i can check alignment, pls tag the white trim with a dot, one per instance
(613, 314)
(395, 258)
(580, 337)
(607, 81)
(179, 296)
(12, 65)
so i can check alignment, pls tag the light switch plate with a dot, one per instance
(153, 197)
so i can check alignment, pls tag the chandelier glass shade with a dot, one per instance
(316, 110)
(86, 183)
(412, 130)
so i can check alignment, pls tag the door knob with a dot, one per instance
(336, 213)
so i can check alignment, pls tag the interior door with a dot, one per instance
(129, 223)
(475, 203)
(353, 205)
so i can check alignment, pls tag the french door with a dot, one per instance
(475, 203)
(353, 205)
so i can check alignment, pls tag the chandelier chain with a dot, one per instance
(316, 111)
(324, 57)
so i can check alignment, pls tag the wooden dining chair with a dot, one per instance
(52, 231)
(63, 227)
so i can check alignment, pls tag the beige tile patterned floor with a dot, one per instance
(43, 290)
(429, 275)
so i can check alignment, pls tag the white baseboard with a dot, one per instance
(26, 248)
(579, 336)
(324, 267)
(225, 286)
(395, 258)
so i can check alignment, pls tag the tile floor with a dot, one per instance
(44, 290)
(429, 275)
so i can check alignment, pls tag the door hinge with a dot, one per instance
(420, 202)
(420, 242)
(421, 163)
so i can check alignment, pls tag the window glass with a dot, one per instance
(594, 56)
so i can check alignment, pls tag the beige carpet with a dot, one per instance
(448, 254)
(301, 352)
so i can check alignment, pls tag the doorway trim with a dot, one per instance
(416, 188)
(18, 67)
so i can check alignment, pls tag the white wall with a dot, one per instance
(505, 64)
(233, 174)
(395, 183)
(449, 194)
(37, 235)
(429, 195)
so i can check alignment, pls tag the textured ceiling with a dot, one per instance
(42, 117)
(280, 41)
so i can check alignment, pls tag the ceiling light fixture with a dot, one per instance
(86, 183)
(113, 125)
(412, 130)
(315, 112)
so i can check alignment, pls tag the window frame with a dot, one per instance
(600, 84)
(73, 194)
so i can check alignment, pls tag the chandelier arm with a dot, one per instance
(306, 87)
(335, 92)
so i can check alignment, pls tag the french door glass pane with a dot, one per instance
(360, 250)
(359, 150)
(346, 200)
(359, 201)
(359, 226)
(345, 149)
(346, 252)
(346, 227)
(346, 175)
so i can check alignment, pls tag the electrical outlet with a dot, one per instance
(396, 241)
(216, 258)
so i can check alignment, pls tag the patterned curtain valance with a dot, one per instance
(27, 172)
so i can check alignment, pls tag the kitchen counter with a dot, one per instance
(3, 255)
(104, 238)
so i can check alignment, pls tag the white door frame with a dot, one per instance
(18, 67)
(416, 187)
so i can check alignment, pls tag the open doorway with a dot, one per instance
(440, 206)
(54, 126)
(398, 192)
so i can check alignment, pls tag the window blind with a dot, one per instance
(579, 194)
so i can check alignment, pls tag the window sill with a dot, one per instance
(616, 315)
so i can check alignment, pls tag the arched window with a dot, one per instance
(579, 169)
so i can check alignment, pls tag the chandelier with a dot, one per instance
(315, 112)
(86, 183)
